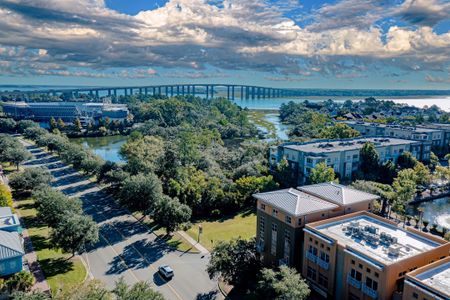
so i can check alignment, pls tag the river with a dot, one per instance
(107, 147)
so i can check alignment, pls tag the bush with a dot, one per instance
(22, 281)
(5, 196)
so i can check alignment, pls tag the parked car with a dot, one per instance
(166, 271)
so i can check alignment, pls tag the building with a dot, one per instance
(67, 111)
(342, 155)
(434, 135)
(363, 256)
(11, 253)
(429, 282)
(282, 215)
(9, 221)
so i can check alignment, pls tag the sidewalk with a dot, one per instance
(193, 242)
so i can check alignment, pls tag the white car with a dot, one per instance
(166, 271)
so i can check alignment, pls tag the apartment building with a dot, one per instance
(282, 215)
(363, 256)
(342, 155)
(434, 134)
(429, 282)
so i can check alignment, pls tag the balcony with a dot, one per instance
(353, 282)
(369, 292)
(311, 257)
(323, 264)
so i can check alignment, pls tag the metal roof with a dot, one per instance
(337, 193)
(10, 245)
(295, 202)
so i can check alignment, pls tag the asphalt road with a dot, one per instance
(127, 248)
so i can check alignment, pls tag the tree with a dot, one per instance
(53, 206)
(77, 124)
(387, 172)
(339, 131)
(142, 154)
(284, 175)
(284, 284)
(235, 261)
(29, 179)
(322, 173)
(406, 161)
(22, 281)
(35, 295)
(17, 155)
(423, 174)
(170, 213)
(247, 186)
(6, 199)
(33, 133)
(7, 125)
(447, 157)
(434, 162)
(53, 124)
(91, 164)
(61, 124)
(141, 192)
(385, 191)
(369, 161)
(138, 291)
(88, 290)
(405, 187)
(74, 232)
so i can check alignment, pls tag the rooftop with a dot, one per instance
(10, 245)
(375, 238)
(407, 128)
(337, 193)
(345, 145)
(295, 202)
(437, 276)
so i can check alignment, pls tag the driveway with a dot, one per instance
(127, 248)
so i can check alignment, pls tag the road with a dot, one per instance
(127, 248)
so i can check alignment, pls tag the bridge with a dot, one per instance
(229, 91)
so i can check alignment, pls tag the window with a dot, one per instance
(356, 275)
(309, 160)
(368, 270)
(352, 296)
(262, 228)
(274, 212)
(287, 219)
(323, 280)
(273, 244)
(287, 246)
(312, 250)
(415, 296)
(353, 262)
(299, 222)
(377, 275)
(360, 266)
(324, 256)
(371, 283)
(263, 206)
(311, 273)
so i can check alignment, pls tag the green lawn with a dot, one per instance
(61, 274)
(241, 225)
(175, 240)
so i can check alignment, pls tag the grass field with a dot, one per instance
(61, 273)
(241, 225)
(258, 118)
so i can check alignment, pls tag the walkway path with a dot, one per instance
(193, 242)
(30, 255)
(127, 248)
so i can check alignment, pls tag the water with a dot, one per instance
(274, 104)
(436, 211)
(281, 129)
(107, 147)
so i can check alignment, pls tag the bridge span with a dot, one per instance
(229, 91)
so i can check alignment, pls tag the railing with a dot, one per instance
(323, 264)
(311, 257)
(370, 292)
(353, 282)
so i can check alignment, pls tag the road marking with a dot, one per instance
(120, 256)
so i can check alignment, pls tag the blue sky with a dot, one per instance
(387, 44)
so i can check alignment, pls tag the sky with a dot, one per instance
(345, 44)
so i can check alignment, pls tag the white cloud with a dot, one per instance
(229, 35)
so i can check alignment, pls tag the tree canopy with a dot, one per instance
(322, 173)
